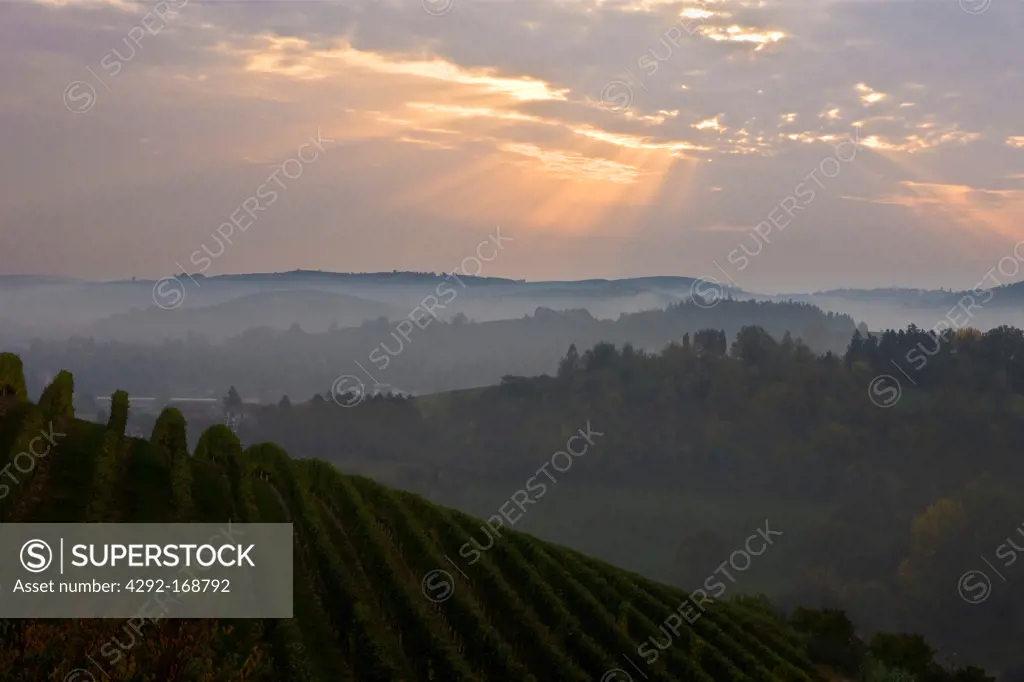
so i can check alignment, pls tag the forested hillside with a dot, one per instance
(368, 564)
(893, 467)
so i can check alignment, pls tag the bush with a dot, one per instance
(830, 638)
(876, 671)
(12, 377)
(909, 652)
(169, 434)
(170, 438)
(58, 398)
(118, 412)
(218, 444)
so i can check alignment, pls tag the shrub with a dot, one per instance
(58, 398)
(118, 412)
(12, 377)
(830, 638)
(908, 652)
(876, 671)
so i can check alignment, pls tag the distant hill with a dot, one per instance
(58, 308)
(1009, 294)
(894, 307)
(49, 307)
(313, 311)
(376, 599)
(891, 295)
(443, 355)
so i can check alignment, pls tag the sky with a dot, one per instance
(788, 145)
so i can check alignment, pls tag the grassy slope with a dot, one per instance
(527, 611)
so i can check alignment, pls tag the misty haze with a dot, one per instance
(584, 340)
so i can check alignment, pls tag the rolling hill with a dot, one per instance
(374, 599)
(222, 305)
(310, 309)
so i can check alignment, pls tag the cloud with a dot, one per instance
(869, 97)
(718, 109)
(974, 209)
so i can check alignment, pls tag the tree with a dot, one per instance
(12, 377)
(119, 407)
(570, 363)
(909, 652)
(754, 346)
(831, 638)
(58, 398)
(217, 444)
(170, 442)
(602, 356)
(876, 671)
(284, 403)
(169, 434)
(787, 345)
(232, 402)
(710, 343)
(855, 350)
(940, 524)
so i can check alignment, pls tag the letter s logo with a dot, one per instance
(79, 97)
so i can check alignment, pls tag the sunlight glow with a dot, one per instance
(636, 142)
(294, 57)
(711, 123)
(576, 167)
(869, 97)
(739, 34)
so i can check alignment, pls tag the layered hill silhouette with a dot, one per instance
(310, 309)
(375, 596)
